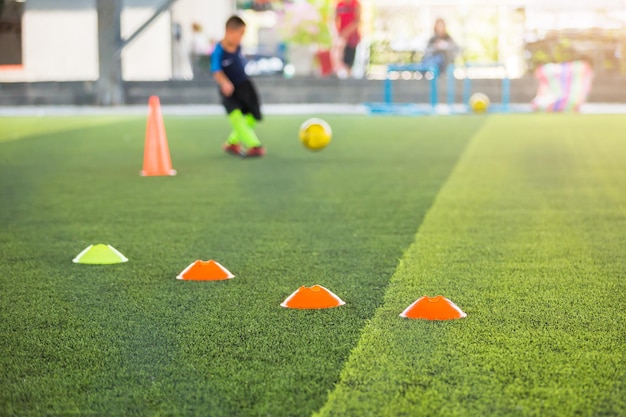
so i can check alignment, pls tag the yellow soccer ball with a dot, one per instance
(479, 103)
(315, 134)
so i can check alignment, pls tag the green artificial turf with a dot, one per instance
(528, 237)
(130, 339)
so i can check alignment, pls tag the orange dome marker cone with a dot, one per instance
(312, 298)
(205, 271)
(156, 154)
(433, 308)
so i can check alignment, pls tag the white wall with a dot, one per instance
(211, 14)
(60, 38)
(58, 43)
(149, 56)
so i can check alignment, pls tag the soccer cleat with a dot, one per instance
(233, 149)
(255, 152)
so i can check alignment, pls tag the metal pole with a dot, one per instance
(434, 91)
(388, 88)
(451, 87)
(125, 42)
(110, 90)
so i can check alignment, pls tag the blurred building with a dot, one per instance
(57, 40)
(45, 40)
(502, 30)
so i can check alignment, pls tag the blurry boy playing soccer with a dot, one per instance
(238, 93)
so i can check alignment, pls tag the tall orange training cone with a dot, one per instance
(205, 271)
(433, 308)
(312, 298)
(156, 154)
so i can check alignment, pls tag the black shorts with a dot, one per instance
(244, 98)
(349, 53)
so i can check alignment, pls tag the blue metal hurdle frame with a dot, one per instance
(467, 85)
(434, 93)
(389, 107)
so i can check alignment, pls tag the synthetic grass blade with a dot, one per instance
(100, 254)
(528, 236)
(85, 341)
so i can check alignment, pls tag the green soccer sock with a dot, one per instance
(250, 120)
(233, 138)
(242, 130)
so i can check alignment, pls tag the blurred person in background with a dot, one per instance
(347, 22)
(441, 49)
(201, 51)
(181, 65)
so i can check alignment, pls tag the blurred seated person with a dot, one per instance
(441, 49)
(201, 51)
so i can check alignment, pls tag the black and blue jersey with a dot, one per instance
(231, 63)
(245, 97)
